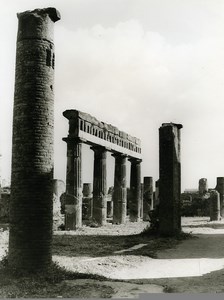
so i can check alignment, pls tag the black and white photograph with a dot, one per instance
(111, 148)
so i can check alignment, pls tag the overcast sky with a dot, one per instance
(134, 64)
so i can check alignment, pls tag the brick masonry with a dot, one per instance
(32, 151)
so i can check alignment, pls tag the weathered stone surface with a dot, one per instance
(4, 207)
(220, 189)
(87, 201)
(169, 179)
(135, 190)
(110, 204)
(203, 186)
(120, 190)
(58, 190)
(87, 127)
(99, 185)
(73, 202)
(214, 206)
(31, 205)
(147, 197)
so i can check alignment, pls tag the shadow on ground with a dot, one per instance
(100, 245)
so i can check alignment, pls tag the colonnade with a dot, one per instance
(73, 206)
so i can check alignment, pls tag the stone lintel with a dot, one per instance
(73, 114)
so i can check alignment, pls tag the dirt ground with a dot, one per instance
(136, 264)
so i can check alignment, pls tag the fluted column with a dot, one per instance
(99, 185)
(73, 202)
(147, 197)
(135, 190)
(120, 190)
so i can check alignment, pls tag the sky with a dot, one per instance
(134, 64)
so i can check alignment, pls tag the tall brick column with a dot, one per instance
(170, 179)
(31, 202)
(147, 197)
(220, 189)
(135, 190)
(120, 190)
(99, 185)
(73, 201)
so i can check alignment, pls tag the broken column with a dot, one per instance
(87, 201)
(141, 210)
(170, 179)
(147, 197)
(214, 202)
(31, 205)
(120, 190)
(203, 186)
(135, 190)
(58, 190)
(220, 189)
(73, 200)
(99, 185)
(110, 205)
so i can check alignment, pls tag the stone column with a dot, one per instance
(147, 197)
(141, 210)
(58, 190)
(203, 186)
(31, 204)
(220, 189)
(110, 205)
(120, 190)
(73, 201)
(99, 185)
(156, 198)
(87, 201)
(135, 190)
(214, 201)
(170, 179)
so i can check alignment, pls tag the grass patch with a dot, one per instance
(99, 245)
(48, 284)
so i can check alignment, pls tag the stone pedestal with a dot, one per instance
(31, 205)
(120, 190)
(99, 185)
(73, 201)
(220, 189)
(170, 179)
(147, 197)
(214, 206)
(135, 190)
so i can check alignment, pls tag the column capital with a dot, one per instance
(98, 148)
(135, 160)
(75, 140)
(118, 154)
